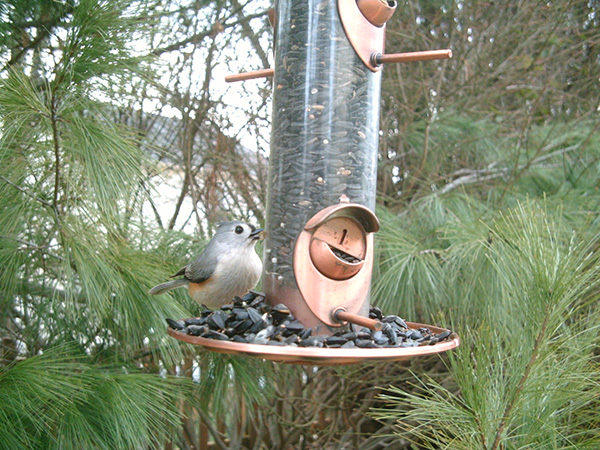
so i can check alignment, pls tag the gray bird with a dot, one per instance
(227, 267)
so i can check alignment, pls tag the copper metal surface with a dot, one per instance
(263, 73)
(323, 294)
(378, 12)
(271, 16)
(340, 236)
(320, 356)
(379, 59)
(339, 315)
(326, 280)
(365, 37)
(290, 295)
(364, 215)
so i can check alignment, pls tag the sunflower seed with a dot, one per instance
(176, 324)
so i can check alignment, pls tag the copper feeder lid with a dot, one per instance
(321, 356)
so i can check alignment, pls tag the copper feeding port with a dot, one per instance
(338, 250)
(333, 259)
(262, 73)
(340, 315)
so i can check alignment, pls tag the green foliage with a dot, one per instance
(61, 400)
(521, 292)
(517, 68)
(85, 361)
(85, 355)
(246, 379)
(69, 252)
(489, 179)
(437, 242)
(506, 256)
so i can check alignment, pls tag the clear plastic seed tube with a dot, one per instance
(324, 130)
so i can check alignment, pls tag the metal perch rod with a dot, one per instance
(427, 55)
(340, 315)
(377, 60)
(249, 75)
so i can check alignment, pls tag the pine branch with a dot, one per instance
(27, 193)
(481, 432)
(56, 143)
(491, 172)
(511, 404)
(179, 202)
(44, 30)
(216, 436)
(155, 210)
(33, 246)
(249, 32)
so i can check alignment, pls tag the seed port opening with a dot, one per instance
(346, 257)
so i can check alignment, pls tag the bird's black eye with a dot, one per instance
(239, 229)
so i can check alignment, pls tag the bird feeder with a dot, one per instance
(320, 224)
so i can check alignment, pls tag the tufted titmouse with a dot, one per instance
(227, 267)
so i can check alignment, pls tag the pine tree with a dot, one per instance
(524, 301)
(76, 321)
(85, 362)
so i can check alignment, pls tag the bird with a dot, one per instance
(228, 267)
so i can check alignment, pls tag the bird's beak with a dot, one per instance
(257, 234)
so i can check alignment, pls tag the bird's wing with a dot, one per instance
(202, 268)
(180, 273)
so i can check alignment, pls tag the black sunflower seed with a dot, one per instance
(195, 321)
(196, 330)
(176, 324)
(216, 321)
(366, 343)
(257, 326)
(212, 334)
(259, 323)
(335, 340)
(250, 296)
(443, 335)
(254, 315)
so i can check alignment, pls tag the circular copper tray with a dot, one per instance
(321, 356)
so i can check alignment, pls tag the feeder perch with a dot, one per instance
(320, 224)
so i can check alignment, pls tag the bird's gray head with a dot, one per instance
(237, 234)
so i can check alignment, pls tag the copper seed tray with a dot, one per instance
(322, 356)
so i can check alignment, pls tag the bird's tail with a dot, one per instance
(166, 287)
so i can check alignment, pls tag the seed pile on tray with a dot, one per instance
(251, 320)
